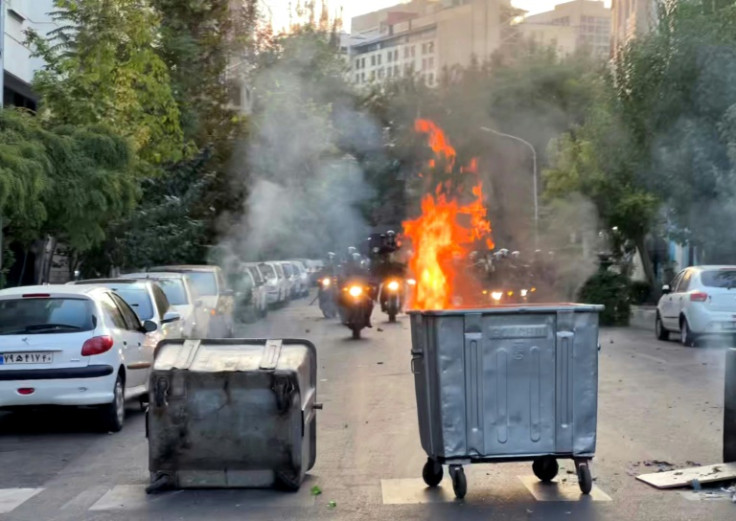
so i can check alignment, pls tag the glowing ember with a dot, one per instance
(446, 231)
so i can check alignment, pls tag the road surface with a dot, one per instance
(658, 402)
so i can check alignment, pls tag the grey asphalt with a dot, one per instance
(658, 401)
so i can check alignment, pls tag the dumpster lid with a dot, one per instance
(545, 307)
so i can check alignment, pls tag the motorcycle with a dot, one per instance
(326, 297)
(392, 297)
(355, 306)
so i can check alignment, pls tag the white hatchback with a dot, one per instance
(73, 346)
(701, 301)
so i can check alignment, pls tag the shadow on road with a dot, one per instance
(56, 420)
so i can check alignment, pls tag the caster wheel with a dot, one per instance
(459, 483)
(585, 479)
(545, 468)
(432, 473)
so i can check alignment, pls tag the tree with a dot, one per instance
(102, 67)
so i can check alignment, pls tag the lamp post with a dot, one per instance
(535, 177)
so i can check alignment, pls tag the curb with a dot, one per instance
(642, 317)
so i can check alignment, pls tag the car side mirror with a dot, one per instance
(666, 289)
(171, 316)
(149, 326)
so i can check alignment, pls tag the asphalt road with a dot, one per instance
(658, 401)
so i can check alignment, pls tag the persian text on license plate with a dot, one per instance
(26, 358)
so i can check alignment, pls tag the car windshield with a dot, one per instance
(256, 276)
(719, 278)
(138, 299)
(288, 271)
(204, 282)
(26, 316)
(174, 291)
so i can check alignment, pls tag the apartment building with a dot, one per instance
(570, 27)
(631, 18)
(424, 37)
(15, 57)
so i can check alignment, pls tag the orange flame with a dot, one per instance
(446, 230)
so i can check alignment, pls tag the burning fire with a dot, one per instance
(447, 230)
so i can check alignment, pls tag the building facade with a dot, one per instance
(17, 63)
(424, 37)
(571, 27)
(631, 18)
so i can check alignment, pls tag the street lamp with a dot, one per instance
(534, 166)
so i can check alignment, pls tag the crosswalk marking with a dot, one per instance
(561, 490)
(12, 498)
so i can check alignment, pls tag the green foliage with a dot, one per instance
(102, 67)
(67, 182)
(640, 292)
(612, 290)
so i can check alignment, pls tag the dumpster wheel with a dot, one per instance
(459, 483)
(545, 468)
(432, 473)
(585, 479)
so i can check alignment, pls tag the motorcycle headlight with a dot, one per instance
(355, 291)
(326, 283)
(411, 282)
(497, 295)
(393, 285)
(524, 292)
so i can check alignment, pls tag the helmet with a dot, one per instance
(503, 253)
(352, 250)
(330, 255)
(357, 257)
(391, 234)
(516, 254)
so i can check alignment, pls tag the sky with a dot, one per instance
(358, 7)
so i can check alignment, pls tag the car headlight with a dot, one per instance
(326, 282)
(355, 291)
(497, 295)
(393, 285)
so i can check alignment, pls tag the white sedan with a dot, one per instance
(73, 346)
(701, 301)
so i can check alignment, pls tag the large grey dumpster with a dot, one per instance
(506, 384)
(232, 413)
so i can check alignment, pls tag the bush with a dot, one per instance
(640, 292)
(612, 290)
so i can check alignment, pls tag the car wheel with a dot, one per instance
(687, 338)
(113, 413)
(661, 332)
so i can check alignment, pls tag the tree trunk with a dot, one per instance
(646, 263)
(49, 261)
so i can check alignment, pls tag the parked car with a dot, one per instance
(303, 275)
(292, 278)
(701, 301)
(260, 294)
(249, 297)
(148, 301)
(213, 296)
(181, 295)
(276, 284)
(73, 346)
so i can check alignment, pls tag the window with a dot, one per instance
(373, 75)
(424, 64)
(162, 303)
(430, 47)
(174, 291)
(357, 78)
(684, 282)
(111, 314)
(396, 55)
(389, 72)
(431, 78)
(406, 52)
(413, 50)
(26, 316)
(389, 56)
(380, 73)
(204, 283)
(357, 63)
(373, 60)
(362, 63)
(396, 70)
(256, 275)
(424, 48)
(131, 320)
(267, 269)
(430, 63)
(362, 76)
(138, 298)
(725, 278)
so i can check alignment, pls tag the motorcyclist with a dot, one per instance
(354, 270)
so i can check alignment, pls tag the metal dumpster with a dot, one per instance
(506, 384)
(232, 413)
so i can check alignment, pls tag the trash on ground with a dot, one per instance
(316, 491)
(687, 477)
(332, 504)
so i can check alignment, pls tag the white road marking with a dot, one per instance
(415, 492)
(12, 498)
(557, 490)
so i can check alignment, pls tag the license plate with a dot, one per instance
(26, 358)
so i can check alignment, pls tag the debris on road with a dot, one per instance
(332, 504)
(379, 363)
(379, 330)
(694, 476)
(316, 491)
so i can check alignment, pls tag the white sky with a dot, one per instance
(357, 7)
